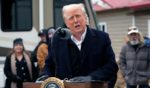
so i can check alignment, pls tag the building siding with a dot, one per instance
(117, 25)
(142, 23)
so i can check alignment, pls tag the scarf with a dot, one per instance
(13, 66)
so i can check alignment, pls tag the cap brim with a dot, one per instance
(133, 31)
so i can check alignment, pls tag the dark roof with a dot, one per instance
(118, 4)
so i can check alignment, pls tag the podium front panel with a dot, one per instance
(31, 85)
(69, 85)
(85, 85)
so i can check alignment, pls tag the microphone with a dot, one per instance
(63, 32)
(60, 33)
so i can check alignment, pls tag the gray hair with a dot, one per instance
(73, 5)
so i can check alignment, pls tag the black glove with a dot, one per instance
(42, 78)
(81, 79)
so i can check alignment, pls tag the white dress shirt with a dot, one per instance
(79, 42)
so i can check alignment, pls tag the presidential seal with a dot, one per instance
(52, 82)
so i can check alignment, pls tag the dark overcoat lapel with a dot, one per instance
(87, 44)
(62, 63)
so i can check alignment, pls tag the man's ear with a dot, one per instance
(87, 19)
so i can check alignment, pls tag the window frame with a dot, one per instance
(100, 26)
(15, 25)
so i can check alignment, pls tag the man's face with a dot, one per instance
(75, 20)
(43, 38)
(134, 38)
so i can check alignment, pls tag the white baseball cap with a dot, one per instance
(133, 29)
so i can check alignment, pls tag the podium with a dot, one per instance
(31, 85)
(70, 85)
(95, 84)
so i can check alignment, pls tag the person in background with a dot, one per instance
(18, 67)
(42, 35)
(42, 50)
(135, 60)
(87, 55)
(51, 32)
(147, 41)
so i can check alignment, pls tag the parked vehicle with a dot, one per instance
(25, 18)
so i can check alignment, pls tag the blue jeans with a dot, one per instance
(140, 86)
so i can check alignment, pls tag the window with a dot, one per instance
(102, 26)
(16, 15)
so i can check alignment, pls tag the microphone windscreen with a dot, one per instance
(64, 33)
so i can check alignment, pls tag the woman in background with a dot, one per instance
(18, 67)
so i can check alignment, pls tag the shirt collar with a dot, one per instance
(82, 37)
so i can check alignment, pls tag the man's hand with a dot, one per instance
(42, 78)
(81, 79)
